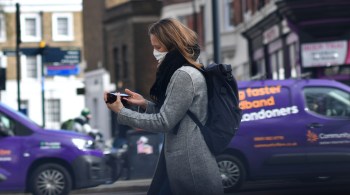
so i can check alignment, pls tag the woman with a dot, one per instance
(185, 166)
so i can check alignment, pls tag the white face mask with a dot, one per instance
(159, 55)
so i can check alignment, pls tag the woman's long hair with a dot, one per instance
(174, 35)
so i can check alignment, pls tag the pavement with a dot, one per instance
(137, 185)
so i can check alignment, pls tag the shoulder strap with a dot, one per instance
(195, 119)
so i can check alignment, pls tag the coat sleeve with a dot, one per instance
(179, 97)
(151, 108)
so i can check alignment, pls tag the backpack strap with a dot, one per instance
(193, 117)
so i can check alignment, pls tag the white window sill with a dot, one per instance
(63, 38)
(30, 39)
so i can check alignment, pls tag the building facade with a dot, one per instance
(54, 67)
(297, 39)
(272, 39)
(198, 15)
(118, 53)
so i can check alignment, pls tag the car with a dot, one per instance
(293, 128)
(43, 161)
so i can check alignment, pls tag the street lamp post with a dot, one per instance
(216, 32)
(42, 47)
(18, 62)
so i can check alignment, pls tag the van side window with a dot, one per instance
(326, 101)
(9, 127)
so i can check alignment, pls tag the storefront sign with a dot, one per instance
(324, 53)
(271, 34)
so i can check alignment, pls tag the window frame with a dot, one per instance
(28, 38)
(70, 27)
(3, 60)
(24, 72)
(226, 14)
(53, 111)
(2, 28)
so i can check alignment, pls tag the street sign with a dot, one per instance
(57, 60)
(62, 70)
(61, 56)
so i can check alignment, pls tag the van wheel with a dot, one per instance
(232, 171)
(50, 179)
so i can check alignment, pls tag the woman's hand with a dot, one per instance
(115, 106)
(135, 99)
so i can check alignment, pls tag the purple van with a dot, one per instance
(289, 129)
(3, 174)
(48, 161)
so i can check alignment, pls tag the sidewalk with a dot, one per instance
(139, 185)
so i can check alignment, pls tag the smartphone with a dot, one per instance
(112, 97)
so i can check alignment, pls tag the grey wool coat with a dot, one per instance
(185, 157)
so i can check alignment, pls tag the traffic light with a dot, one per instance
(2, 78)
(42, 44)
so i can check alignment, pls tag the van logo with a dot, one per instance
(5, 152)
(311, 136)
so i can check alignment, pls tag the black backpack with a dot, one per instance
(224, 114)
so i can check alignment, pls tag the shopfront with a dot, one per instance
(302, 39)
(323, 29)
(273, 49)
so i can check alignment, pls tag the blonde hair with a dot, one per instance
(174, 35)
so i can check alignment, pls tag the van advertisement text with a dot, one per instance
(263, 98)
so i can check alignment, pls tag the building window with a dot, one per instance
(2, 60)
(183, 20)
(125, 62)
(62, 27)
(246, 13)
(117, 68)
(2, 28)
(53, 114)
(24, 107)
(228, 15)
(280, 65)
(244, 5)
(277, 68)
(261, 4)
(32, 67)
(30, 27)
(260, 63)
(294, 72)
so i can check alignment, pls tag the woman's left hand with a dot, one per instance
(115, 106)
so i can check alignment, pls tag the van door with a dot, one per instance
(328, 129)
(11, 157)
(267, 136)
